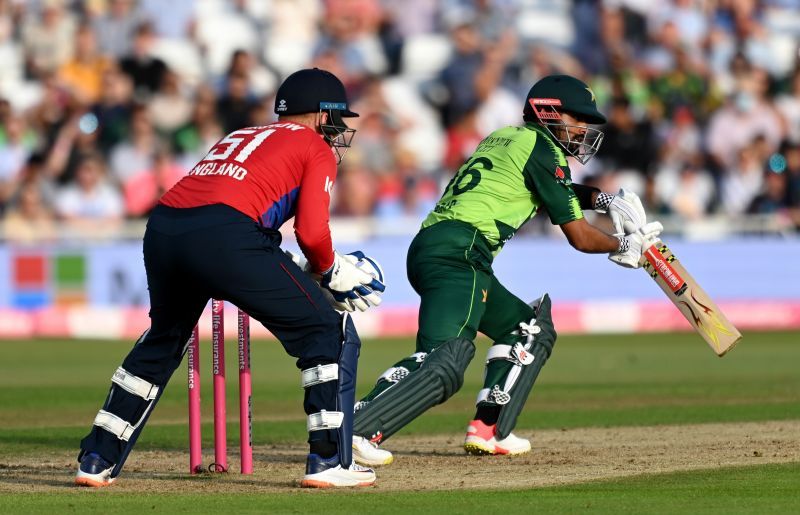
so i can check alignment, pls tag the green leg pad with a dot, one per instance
(411, 363)
(440, 376)
(541, 349)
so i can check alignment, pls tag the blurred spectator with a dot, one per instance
(788, 106)
(355, 189)
(261, 82)
(408, 193)
(144, 188)
(686, 191)
(83, 74)
(680, 139)
(90, 198)
(738, 123)
(774, 198)
(194, 139)
(30, 218)
(171, 106)
(14, 152)
(627, 144)
(742, 182)
(680, 86)
(134, 154)
(116, 27)
(47, 37)
(146, 70)
(113, 109)
(171, 19)
(458, 78)
(791, 167)
(235, 104)
(350, 31)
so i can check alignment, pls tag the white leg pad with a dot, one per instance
(134, 385)
(319, 374)
(324, 420)
(114, 425)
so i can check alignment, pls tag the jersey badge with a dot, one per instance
(561, 177)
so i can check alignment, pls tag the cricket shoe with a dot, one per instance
(368, 453)
(94, 471)
(328, 472)
(481, 439)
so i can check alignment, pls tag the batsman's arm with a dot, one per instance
(587, 238)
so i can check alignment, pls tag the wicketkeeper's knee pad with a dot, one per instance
(344, 374)
(436, 380)
(516, 367)
(122, 418)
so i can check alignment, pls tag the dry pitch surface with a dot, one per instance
(430, 463)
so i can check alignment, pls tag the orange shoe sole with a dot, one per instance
(85, 481)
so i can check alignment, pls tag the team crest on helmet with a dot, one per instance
(560, 173)
(281, 105)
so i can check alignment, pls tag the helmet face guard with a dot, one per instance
(336, 132)
(582, 146)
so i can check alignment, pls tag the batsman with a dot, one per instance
(514, 173)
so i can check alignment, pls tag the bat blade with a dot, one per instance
(691, 300)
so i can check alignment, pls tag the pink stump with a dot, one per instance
(245, 396)
(195, 434)
(218, 366)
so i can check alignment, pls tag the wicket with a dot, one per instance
(245, 394)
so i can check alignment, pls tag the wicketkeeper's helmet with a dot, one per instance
(314, 90)
(556, 94)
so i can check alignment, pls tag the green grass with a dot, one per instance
(746, 490)
(51, 390)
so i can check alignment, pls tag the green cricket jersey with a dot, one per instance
(513, 172)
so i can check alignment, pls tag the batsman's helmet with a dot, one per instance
(556, 94)
(314, 90)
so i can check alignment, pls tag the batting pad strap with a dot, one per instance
(515, 354)
(324, 420)
(114, 425)
(134, 385)
(319, 374)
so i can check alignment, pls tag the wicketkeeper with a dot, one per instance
(513, 174)
(215, 235)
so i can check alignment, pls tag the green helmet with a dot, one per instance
(556, 94)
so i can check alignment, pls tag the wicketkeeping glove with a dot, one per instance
(633, 246)
(350, 286)
(626, 212)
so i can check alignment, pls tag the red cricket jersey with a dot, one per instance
(271, 174)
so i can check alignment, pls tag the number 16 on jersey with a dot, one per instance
(692, 301)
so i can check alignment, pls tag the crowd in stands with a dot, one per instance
(104, 104)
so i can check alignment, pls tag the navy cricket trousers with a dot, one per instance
(195, 254)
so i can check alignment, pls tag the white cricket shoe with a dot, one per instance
(328, 473)
(94, 471)
(368, 453)
(481, 440)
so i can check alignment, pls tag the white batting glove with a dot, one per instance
(626, 212)
(350, 287)
(633, 246)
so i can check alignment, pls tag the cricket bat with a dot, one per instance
(695, 304)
